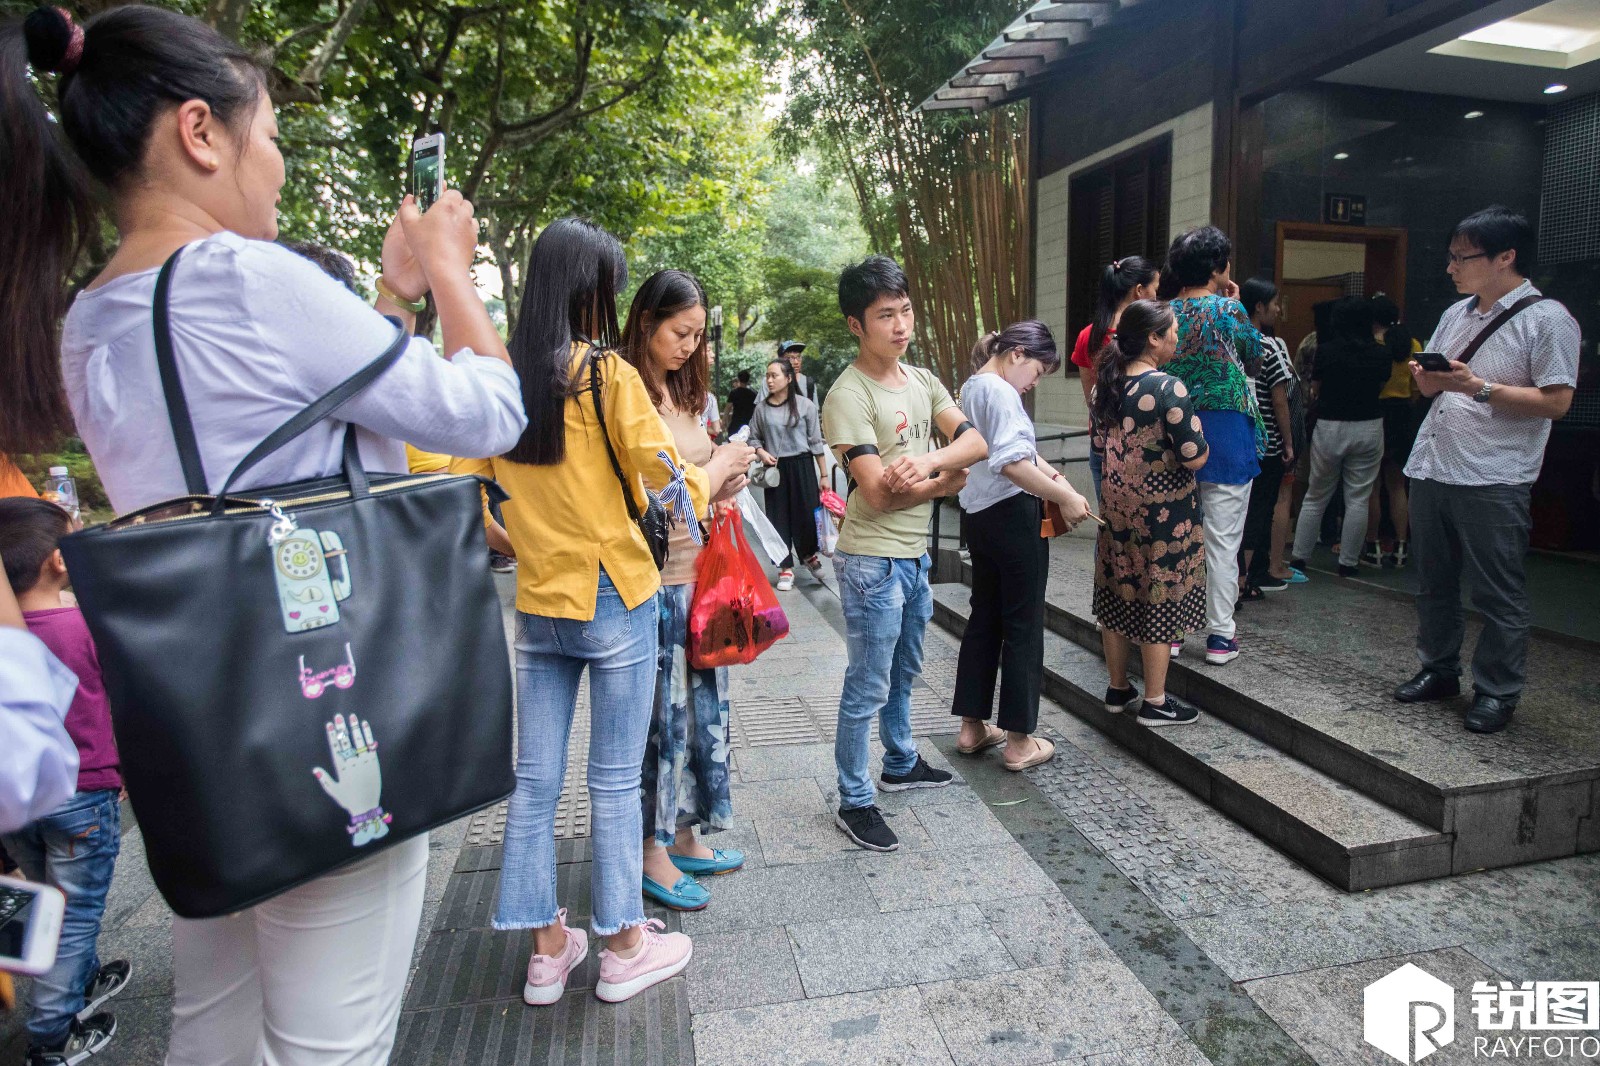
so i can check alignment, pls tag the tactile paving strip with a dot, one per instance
(1181, 877)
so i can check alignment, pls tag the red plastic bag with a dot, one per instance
(735, 615)
(833, 502)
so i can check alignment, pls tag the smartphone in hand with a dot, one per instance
(1434, 361)
(427, 169)
(30, 925)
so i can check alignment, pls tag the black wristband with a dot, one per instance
(962, 428)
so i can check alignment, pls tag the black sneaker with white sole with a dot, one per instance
(110, 979)
(87, 1039)
(1172, 712)
(1123, 699)
(919, 776)
(866, 827)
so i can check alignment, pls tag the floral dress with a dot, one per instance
(1150, 571)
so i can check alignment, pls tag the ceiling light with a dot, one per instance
(1341, 155)
(1473, 114)
(1551, 90)
(1559, 34)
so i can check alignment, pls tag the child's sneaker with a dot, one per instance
(661, 955)
(108, 981)
(87, 1038)
(785, 580)
(547, 977)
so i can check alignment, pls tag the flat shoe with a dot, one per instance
(687, 895)
(1043, 751)
(721, 862)
(994, 736)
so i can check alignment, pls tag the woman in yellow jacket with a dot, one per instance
(586, 597)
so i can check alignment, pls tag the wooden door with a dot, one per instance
(1299, 297)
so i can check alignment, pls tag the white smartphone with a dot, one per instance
(30, 925)
(427, 169)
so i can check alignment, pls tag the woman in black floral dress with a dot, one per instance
(1150, 572)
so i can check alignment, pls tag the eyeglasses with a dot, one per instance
(1457, 260)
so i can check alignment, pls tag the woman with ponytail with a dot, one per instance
(1003, 505)
(1121, 282)
(1150, 568)
(171, 122)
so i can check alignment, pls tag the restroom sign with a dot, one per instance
(1344, 209)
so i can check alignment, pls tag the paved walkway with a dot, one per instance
(1090, 911)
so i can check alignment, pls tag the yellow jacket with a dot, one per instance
(569, 519)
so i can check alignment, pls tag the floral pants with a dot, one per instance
(685, 773)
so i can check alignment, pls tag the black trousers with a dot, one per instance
(1005, 631)
(1258, 519)
(792, 506)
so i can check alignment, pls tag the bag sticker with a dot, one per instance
(359, 783)
(312, 576)
(343, 675)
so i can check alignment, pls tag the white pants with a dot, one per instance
(1224, 508)
(314, 976)
(1355, 450)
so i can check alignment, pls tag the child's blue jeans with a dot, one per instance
(74, 847)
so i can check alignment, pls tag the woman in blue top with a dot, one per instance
(1010, 558)
(1217, 349)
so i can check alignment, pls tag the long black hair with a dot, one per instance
(1117, 280)
(1139, 320)
(664, 294)
(1030, 335)
(1397, 335)
(116, 74)
(574, 272)
(789, 399)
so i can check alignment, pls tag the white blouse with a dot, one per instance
(258, 333)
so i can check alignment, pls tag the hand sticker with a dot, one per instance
(360, 783)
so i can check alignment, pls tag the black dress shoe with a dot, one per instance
(1428, 685)
(1490, 714)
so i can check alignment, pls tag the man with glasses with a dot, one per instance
(1513, 368)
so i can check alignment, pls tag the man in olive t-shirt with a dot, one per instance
(879, 418)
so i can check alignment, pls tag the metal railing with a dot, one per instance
(936, 536)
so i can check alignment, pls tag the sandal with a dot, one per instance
(995, 735)
(1043, 751)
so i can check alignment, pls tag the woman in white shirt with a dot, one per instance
(1003, 500)
(175, 121)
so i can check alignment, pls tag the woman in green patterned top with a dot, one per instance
(1218, 350)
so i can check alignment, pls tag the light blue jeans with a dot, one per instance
(619, 648)
(74, 847)
(887, 604)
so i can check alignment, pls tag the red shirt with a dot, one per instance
(88, 723)
(1080, 350)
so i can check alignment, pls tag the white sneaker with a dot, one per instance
(785, 580)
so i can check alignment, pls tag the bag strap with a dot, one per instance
(194, 476)
(1499, 320)
(605, 434)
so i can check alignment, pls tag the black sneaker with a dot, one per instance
(501, 564)
(865, 826)
(921, 776)
(1123, 699)
(110, 979)
(1272, 584)
(87, 1039)
(1173, 712)
(1349, 571)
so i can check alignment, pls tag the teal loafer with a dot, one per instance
(687, 895)
(721, 862)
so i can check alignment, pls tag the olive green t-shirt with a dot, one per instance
(899, 422)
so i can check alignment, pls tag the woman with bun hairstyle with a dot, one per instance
(1121, 282)
(1150, 560)
(1003, 505)
(173, 122)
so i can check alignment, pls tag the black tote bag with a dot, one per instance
(300, 676)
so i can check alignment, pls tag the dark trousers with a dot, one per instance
(1482, 531)
(1005, 631)
(1258, 518)
(792, 506)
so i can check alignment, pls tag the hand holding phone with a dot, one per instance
(1434, 362)
(427, 169)
(30, 925)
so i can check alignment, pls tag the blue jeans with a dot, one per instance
(74, 847)
(1097, 462)
(619, 648)
(887, 604)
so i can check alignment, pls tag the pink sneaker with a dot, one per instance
(547, 977)
(662, 955)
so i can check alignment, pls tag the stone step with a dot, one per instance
(1346, 837)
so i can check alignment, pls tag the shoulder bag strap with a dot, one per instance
(1499, 320)
(605, 434)
(194, 476)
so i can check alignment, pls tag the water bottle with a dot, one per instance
(64, 491)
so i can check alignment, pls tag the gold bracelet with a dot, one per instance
(416, 307)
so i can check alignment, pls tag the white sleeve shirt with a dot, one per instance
(38, 760)
(996, 411)
(258, 333)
